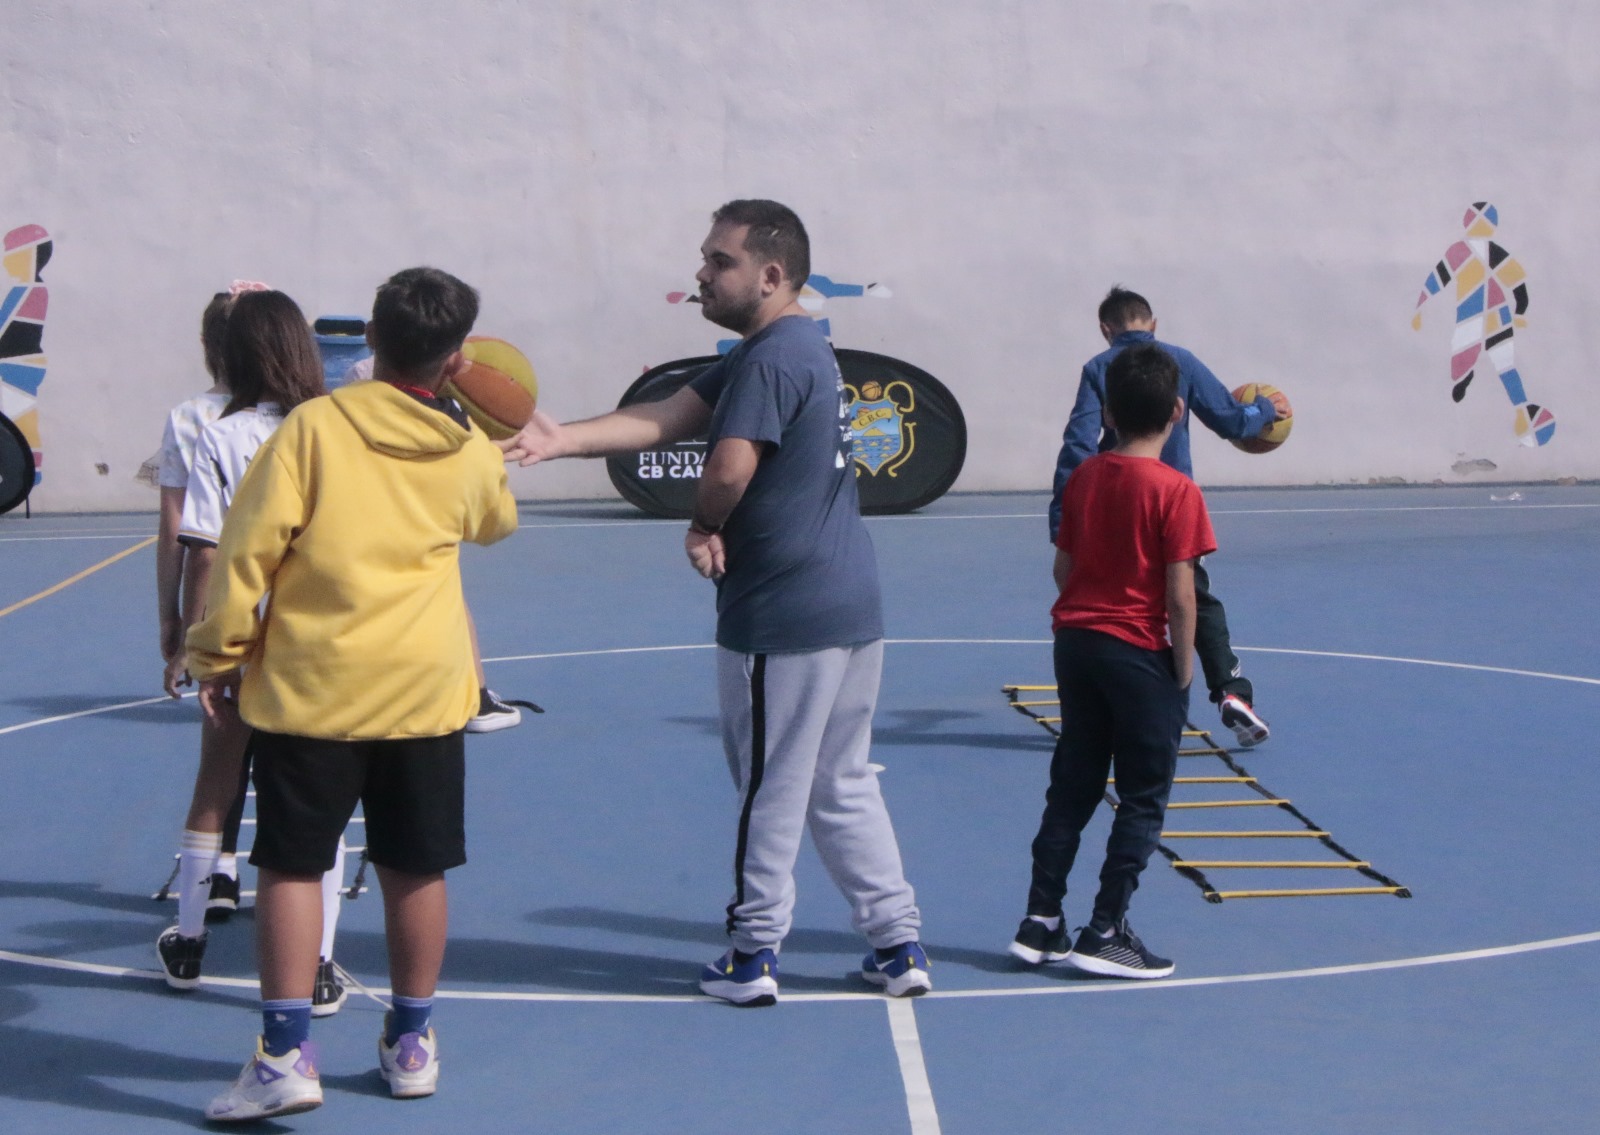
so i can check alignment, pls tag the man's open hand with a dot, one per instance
(542, 439)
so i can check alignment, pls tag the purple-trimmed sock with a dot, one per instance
(285, 1024)
(409, 1015)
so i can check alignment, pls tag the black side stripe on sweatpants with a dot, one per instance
(758, 764)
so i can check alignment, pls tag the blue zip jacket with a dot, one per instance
(1202, 393)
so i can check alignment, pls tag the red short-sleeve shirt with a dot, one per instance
(1123, 520)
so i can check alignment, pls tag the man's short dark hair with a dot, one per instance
(1122, 307)
(776, 234)
(1141, 390)
(419, 317)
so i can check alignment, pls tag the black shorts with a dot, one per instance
(411, 792)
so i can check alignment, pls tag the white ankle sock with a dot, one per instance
(227, 864)
(197, 856)
(332, 884)
(1049, 923)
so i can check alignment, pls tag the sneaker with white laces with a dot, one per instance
(1248, 726)
(411, 1066)
(223, 899)
(904, 973)
(750, 984)
(328, 994)
(269, 1086)
(1036, 943)
(496, 713)
(180, 958)
(1118, 954)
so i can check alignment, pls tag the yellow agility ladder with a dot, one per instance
(1035, 702)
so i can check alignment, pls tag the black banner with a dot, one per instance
(910, 437)
(16, 465)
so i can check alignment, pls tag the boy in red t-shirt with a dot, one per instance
(1131, 531)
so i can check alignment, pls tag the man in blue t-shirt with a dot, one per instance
(777, 525)
(1126, 319)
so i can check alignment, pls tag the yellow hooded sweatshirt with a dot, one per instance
(349, 523)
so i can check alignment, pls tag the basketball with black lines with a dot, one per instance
(498, 389)
(1275, 434)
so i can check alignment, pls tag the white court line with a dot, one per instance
(891, 642)
(85, 536)
(1521, 507)
(87, 713)
(1058, 988)
(713, 646)
(1424, 662)
(1518, 506)
(908, 1049)
(596, 653)
(913, 1070)
(642, 520)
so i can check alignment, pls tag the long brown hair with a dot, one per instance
(270, 355)
(214, 335)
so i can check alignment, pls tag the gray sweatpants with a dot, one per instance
(796, 729)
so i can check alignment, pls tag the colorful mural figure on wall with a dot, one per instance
(22, 312)
(1491, 297)
(818, 290)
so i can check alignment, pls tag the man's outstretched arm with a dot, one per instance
(644, 425)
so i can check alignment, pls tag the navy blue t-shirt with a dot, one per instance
(801, 574)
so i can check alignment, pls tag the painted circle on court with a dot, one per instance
(1083, 987)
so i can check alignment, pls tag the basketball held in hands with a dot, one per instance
(1275, 434)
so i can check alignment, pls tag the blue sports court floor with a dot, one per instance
(1426, 657)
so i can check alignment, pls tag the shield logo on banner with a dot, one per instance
(894, 409)
(881, 437)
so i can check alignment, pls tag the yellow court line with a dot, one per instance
(84, 574)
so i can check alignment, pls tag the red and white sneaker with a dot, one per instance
(1247, 725)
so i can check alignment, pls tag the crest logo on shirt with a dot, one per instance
(882, 438)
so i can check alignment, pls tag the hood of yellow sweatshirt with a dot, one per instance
(393, 422)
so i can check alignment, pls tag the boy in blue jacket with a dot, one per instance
(1126, 319)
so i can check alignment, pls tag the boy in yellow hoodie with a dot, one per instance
(358, 676)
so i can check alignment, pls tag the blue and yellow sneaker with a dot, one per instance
(749, 981)
(902, 970)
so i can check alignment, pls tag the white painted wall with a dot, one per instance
(1278, 177)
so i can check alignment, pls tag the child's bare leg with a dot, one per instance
(222, 750)
(288, 933)
(215, 785)
(416, 917)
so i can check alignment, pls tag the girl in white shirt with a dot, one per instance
(272, 365)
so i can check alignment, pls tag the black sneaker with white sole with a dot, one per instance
(1036, 943)
(180, 958)
(496, 713)
(328, 994)
(1119, 954)
(1248, 726)
(223, 899)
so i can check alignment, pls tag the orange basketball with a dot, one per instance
(498, 390)
(1278, 432)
